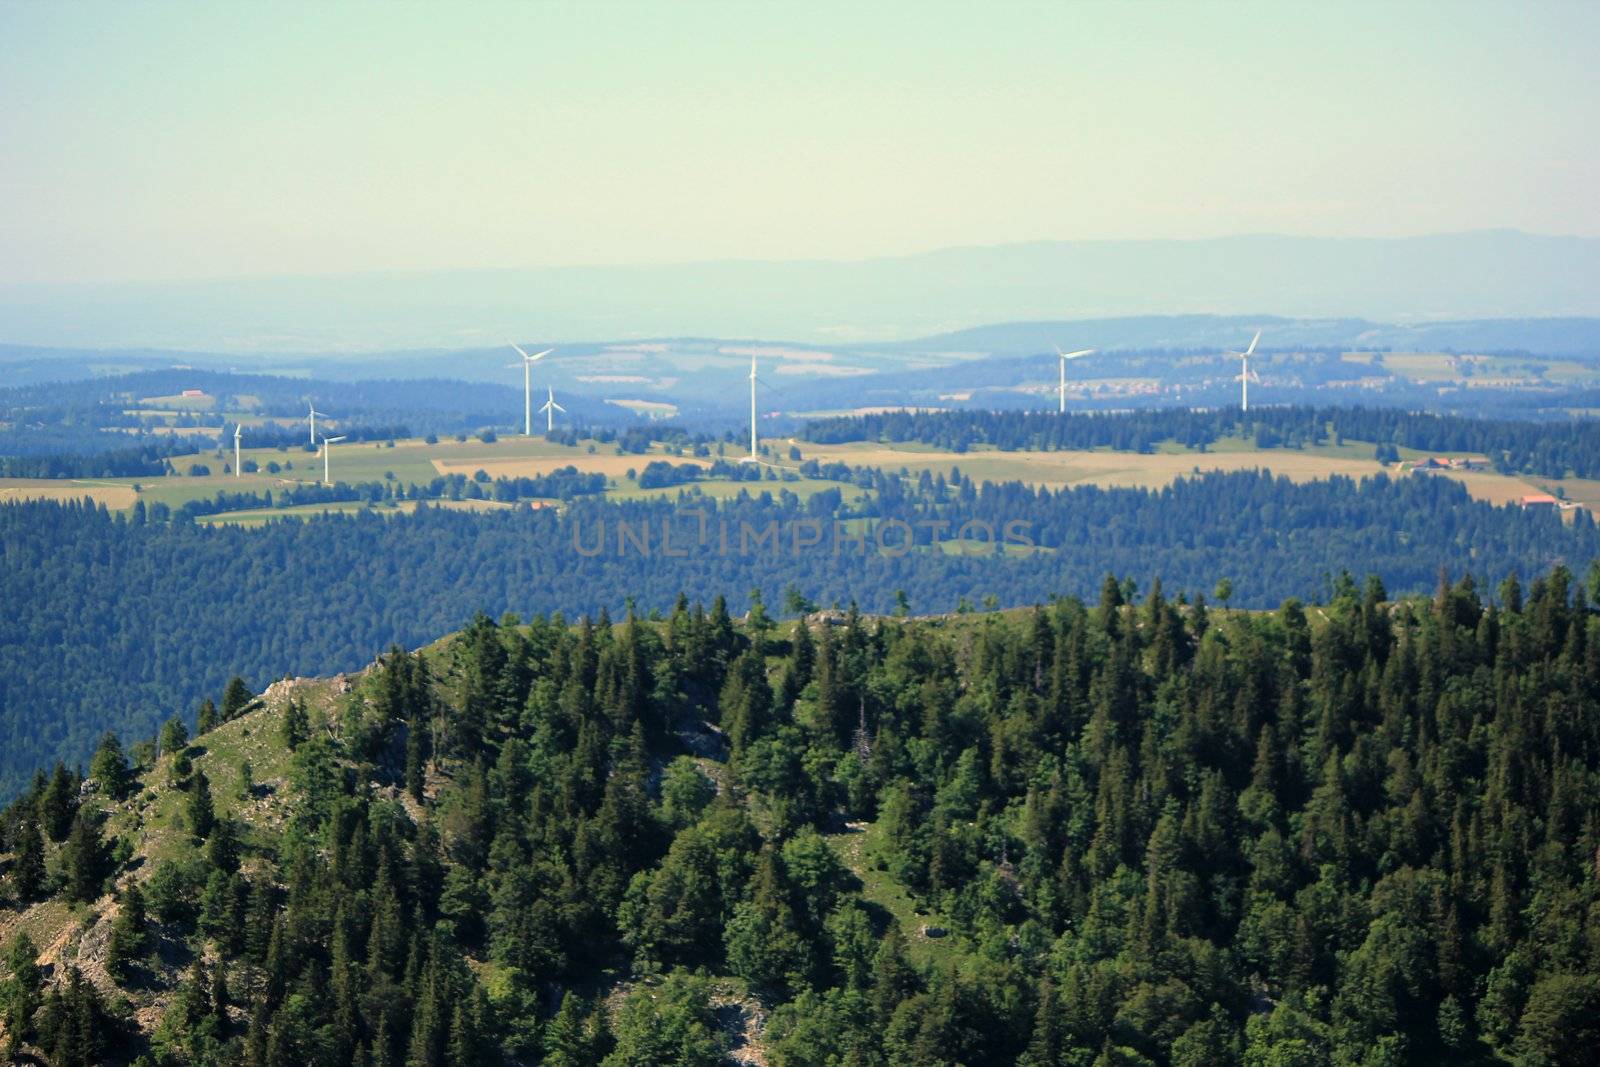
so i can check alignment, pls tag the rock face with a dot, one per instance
(280, 691)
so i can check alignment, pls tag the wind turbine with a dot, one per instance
(527, 386)
(236, 429)
(550, 408)
(1244, 372)
(755, 447)
(755, 455)
(1079, 354)
(311, 416)
(326, 441)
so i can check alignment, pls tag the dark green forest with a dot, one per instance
(111, 622)
(1149, 832)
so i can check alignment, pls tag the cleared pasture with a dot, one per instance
(417, 461)
(1108, 469)
(113, 495)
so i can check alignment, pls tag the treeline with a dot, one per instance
(273, 435)
(79, 653)
(67, 420)
(92, 453)
(1554, 449)
(1148, 831)
(561, 484)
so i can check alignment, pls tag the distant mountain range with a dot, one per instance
(1433, 281)
(1146, 333)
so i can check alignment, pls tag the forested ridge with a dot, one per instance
(114, 623)
(1147, 832)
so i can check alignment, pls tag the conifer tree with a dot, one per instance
(84, 860)
(295, 725)
(27, 872)
(58, 803)
(200, 811)
(174, 736)
(109, 768)
(129, 939)
(234, 699)
(20, 992)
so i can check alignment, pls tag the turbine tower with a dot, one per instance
(527, 385)
(326, 441)
(753, 451)
(236, 429)
(1079, 354)
(311, 416)
(550, 408)
(1244, 372)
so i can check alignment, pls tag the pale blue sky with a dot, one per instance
(173, 141)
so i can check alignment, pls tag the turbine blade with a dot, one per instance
(1075, 355)
(518, 347)
(1252, 349)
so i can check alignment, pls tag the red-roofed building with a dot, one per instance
(1539, 500)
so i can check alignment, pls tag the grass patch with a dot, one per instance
(861, 850)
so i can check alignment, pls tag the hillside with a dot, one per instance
(1144, 832)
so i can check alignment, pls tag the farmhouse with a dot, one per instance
(1539, 500)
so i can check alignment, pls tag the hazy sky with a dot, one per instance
(170, 141)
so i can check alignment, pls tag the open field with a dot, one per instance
(1442, 367)
(415, 461)
(180, 403)
(803, 488)
(112, 494)
(1105, 468)
(1057, 470)
(259, 516)
(656, 409)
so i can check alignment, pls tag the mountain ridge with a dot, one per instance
(1476, 274)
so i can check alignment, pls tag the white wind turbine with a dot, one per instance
(1245, 376)
(527, 385)
(755, 455)
(326, 441)
(550, 408)
(236, 429)
(1079, 354)
(311, 416)
(755, 448)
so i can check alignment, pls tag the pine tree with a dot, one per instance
(84, 860)
(19, 992)
(220, 996)
(206, 719)
(128, 940)
(222, 849)
(234, 699)
(566, 1039)
(27, 868)
(417, 752)
(58, 803)
(109, 768)
(200, 811)
(295, 726)
(174, 736)
(1047, 1040)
